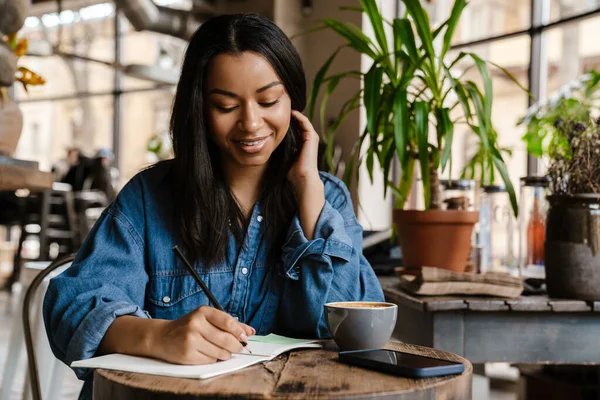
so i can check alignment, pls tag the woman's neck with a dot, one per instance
(245, 183)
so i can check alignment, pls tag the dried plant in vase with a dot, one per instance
(576, 170)
(573, 224)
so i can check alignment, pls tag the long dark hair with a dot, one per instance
(205, 207)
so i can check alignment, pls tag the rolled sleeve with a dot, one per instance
(330, 240)
(329, 268)
(106, 280)
(89, 334)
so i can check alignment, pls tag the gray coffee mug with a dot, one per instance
(360, 325)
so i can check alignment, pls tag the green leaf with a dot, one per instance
(370, 8)
(439, 29)
(501, 167)
(401, 124)
(487, 87)
(395, 190)
(460, 92)
(512, 78)
(455, 14)
(388, 152)
(477, 99)
(346, 109)
(446, 131)
(319, 77)
(406, 180)
(308, 31)
(349, 170)
(370, 161)
(330, 88)
(460, 56)
(355, 37)
(372, 88)
(403, 35)
(422, 133)
(421, 20)
(345, 74)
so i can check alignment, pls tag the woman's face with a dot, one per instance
(248, 108)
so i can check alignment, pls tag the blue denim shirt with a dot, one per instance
(126, 266)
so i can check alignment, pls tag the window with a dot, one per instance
(76, 107)
(483, 18)
(561, 9)
(510, 102)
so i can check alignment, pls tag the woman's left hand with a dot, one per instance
(304, 176)
(305, 172)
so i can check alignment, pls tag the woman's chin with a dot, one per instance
(250, 162)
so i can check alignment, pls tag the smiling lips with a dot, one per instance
(252, 145)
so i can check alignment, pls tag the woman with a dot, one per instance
(272, 238)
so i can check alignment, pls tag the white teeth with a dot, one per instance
(253, 142)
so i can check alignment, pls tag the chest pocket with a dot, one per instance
(172, 296)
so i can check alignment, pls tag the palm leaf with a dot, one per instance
(445, 131)
(487, 87)
(318, 81)
(355, 37)
(403, 35)
(372, 88)
(422, 133)
(421, 20)
(455, 14)
(370, 8)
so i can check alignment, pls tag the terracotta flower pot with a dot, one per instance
(11, 125)
(435, 238)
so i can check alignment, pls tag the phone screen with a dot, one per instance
(401, 359)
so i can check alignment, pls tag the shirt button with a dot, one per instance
(244, 271)
(166, 299)
(259, 218)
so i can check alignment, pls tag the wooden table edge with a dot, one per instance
(123, 378)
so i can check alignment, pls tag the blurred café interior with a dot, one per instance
(87, 88)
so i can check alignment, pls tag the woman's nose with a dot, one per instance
(250, 120)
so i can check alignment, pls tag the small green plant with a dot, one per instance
(410, 88)
(552, 124)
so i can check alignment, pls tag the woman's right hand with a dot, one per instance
(201, 337)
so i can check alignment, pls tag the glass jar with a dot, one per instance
(497, 237)
(533, 208)
(460, 194)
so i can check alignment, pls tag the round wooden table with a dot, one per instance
(301, 374)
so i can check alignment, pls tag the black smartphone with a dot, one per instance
(403, 364)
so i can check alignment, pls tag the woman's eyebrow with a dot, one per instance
(235, 96)
(269, 86)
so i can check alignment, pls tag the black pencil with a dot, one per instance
(210, 296)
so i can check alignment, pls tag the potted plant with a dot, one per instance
(413, 101)
(563, 129)
(573, 223)
(574, 102)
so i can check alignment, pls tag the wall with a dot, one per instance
(315, 49)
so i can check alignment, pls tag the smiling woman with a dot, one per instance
(248, 118)
(271, 237)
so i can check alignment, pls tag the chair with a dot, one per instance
(29, 345)
(61, 224)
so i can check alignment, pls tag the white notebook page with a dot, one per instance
(262, 351)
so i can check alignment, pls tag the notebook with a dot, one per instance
(264, 348)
